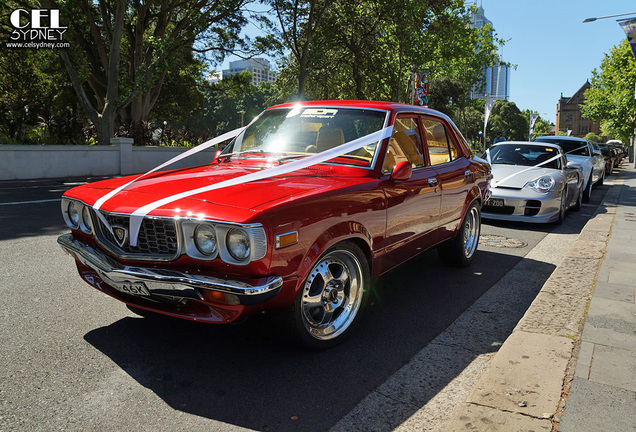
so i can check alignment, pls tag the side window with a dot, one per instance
(405, 144)
(440, 148)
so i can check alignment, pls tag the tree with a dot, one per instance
(507, 118)
(121, 51)
(591, 136)
(367, 49)
(610, 97)
(299, 20)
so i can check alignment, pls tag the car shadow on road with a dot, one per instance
(249, 375)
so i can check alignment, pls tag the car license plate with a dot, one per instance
(495, 202)
(134, 288)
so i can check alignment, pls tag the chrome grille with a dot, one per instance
(157, 238)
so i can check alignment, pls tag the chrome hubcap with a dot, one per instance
(332, 295)
(471, 232)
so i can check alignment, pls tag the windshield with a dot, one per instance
(570, 147)
(301, 131)
(525, 155)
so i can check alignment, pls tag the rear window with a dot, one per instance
(570, 147)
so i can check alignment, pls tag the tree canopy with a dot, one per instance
(611, 97)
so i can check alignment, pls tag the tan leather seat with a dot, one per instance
(410, 148)
(329, 137)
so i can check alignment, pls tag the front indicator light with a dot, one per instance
(287, 239)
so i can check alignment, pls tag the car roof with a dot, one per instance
(559, 137)
(530, 143)
(382, 105)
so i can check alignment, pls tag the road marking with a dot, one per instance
(31, 202)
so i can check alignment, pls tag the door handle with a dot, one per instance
(432, 181)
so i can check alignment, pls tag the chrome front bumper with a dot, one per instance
(166, 282)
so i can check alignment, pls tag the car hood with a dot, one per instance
(228, 203)
(516, 176)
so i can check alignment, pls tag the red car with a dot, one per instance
(300, 211)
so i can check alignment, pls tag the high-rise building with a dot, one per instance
(258, 67)
(496, 78)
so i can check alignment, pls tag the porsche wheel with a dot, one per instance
(562, 207)
(332, 297)
(588, 190)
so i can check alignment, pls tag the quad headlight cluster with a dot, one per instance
(201, 239)
(542, 184)
(234, 244)
(77, 215)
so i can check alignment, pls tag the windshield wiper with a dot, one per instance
(230, 155)
(287, 157)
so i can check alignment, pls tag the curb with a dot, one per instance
(524, 387)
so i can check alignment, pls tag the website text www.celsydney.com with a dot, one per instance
(38, 45)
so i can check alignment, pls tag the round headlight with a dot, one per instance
(543, 184)
(86, 219)
(238, 244)
(205, 239)
(73, 213)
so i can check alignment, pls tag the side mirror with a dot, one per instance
(573, 165)
(216, 155)
(597, 153)
(402, 171)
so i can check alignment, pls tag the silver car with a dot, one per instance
(532, 182)
(581, 151)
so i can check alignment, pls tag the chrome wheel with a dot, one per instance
(333, 294)
(460, 250)
(472, 225)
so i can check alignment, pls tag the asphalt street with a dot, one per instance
(72, 358)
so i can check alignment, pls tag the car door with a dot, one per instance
(412, 205)
(452, 170)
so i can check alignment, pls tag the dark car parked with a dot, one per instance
(611, 156)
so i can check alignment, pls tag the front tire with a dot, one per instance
(579, 200)
(588, 190)
(562, 207)
(332, 297)
(460, 250)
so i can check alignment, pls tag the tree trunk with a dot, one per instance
(105, 126)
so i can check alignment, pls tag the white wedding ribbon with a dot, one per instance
(210, 143)
(136, 218)
(497, 183)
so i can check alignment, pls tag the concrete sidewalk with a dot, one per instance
(570, 363)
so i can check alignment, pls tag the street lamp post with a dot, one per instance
(607, 16)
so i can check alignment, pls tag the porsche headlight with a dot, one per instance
(73, 213)
(205, 239)
(238, 244)
(542, 184)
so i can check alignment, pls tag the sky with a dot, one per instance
(553, 50)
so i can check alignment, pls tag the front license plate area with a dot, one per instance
(133, 288)
(495, 202)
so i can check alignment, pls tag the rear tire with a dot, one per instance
(460, 250)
